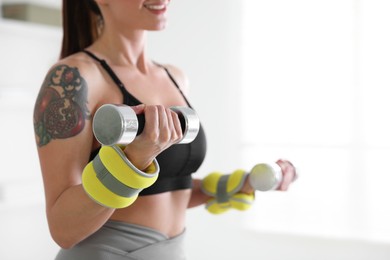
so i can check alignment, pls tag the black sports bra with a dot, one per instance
(178, 162)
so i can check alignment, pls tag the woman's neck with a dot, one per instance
(123, 49)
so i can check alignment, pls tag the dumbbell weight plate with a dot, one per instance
(190, 123)
(115, 124)
(265, 177)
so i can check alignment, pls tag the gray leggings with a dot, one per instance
(123, 241)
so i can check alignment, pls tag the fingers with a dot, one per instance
(162, 125)
(160, 131)
(152, 122)
(289, 174)
(173, 127)
(139, 109)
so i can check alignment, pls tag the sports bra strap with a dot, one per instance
(126, 94)
(174, 82)
(107, 68)
(110, 72)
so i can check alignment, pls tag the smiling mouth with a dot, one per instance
(155, 7)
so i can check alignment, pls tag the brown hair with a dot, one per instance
(80, 21)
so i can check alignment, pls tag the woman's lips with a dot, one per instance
(157, 8)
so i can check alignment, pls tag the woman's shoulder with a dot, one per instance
(79, 61)
(179, 76)
(77, 74)
(78, 66)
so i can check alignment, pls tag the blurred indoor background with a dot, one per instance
(306, 80)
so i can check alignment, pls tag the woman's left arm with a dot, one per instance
(198, 197)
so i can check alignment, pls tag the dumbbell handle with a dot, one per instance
(141, 122)
(119, 124)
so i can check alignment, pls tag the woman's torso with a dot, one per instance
(165, 211)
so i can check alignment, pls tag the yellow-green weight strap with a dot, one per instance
(116, 162)
(110, 182)
(226, 192)
(100, 193)
(113, 181)
(210, 183)
(239, 201)
(222, 187)
(242, 201)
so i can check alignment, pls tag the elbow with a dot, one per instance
(63, 242)
(64, 245)
(64, 235)
(63, 239)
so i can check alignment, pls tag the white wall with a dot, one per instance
(203, 38)
(49, 3)
(26, 53)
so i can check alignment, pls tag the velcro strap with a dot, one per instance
(228, 185)
(222, 195)
(110, 182)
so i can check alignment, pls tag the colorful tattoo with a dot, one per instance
(61, 107)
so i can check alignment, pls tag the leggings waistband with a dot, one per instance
(123, 241)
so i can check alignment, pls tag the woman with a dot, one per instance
(103, 60)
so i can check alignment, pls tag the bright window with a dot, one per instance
(316, 80)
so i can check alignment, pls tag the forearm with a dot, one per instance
(198, 197)
(74, 217)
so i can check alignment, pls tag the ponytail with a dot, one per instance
(80, 22)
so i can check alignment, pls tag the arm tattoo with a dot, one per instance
(61, 108)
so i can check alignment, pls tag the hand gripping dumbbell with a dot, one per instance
(119, 124)
(225, 190)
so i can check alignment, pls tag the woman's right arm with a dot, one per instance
(62, 123)
(63, 129)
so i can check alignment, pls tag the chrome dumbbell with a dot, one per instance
(119, 124)
(265, 177)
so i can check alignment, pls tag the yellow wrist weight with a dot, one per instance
(113, 181)
(225, 190)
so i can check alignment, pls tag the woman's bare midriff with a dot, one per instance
(164, 212)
